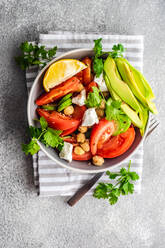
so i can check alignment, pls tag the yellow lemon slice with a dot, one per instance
(60, 71)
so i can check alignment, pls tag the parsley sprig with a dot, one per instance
(48, 136)
(123, 185)
(114, 112)
(98, 62)
(94, 98)
(34, 55)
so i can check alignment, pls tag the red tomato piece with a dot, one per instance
(71, 140)
(100, 133)
(80, 76)
(117, 145)
(60, 121)
(87, 74)
(90, 85)
(85, 156)
(69, 131)
(71, 85)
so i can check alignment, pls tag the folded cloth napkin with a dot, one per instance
(51, 178)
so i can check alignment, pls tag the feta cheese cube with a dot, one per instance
(66, 152)
(80, 99)
(101, 82)
(90, 117)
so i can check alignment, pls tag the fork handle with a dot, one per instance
(83, 190)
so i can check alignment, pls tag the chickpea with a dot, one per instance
(80, 87)
(82, 129)
(102, 105)
(80, 137)
(97, 160)
(69, 110)
(100, 112)
(85, 146)
(78, 150)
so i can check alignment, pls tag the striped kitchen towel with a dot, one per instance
(51, 178)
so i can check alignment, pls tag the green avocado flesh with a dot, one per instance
(119, 86)
(125, 107)
(137, 83)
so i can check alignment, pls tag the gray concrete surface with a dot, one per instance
(28, 221)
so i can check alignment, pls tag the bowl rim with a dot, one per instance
(41, 145)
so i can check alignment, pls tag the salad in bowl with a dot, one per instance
(94, 108)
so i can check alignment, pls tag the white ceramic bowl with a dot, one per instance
(78, 166)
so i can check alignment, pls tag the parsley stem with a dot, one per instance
(129, 165)
(43, 132)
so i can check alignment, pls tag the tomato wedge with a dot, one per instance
(87, 74)
(100, 133)
(60, 121)
(71, 140)
(90, 85)
(80, 76)
(69, 131)
(71, 85)
(117, 145)
(85, 156)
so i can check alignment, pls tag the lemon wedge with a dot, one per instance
(60, 71)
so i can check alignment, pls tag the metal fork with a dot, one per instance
(88, 185)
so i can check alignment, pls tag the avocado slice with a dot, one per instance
(141, 81)
(119, 86)
(137, 88)
(144, 117)
(126, 108)
(128, 77)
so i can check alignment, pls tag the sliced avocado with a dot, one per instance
(126, 109)
(141, 82)
(152, 107)
(144, 118)
(128, 76)
(119, 86)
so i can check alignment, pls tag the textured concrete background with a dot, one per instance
(29, 221)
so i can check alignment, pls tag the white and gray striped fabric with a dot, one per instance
(50, 178)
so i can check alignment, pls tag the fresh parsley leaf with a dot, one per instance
(98, 62)
(117, 51)
(114, 112)
(123, 185)
(123, 171)
(98, 66)
(130, 188)
(43, 123)
(31, 148)
(94, 98)
(53, 140)
(34, 132)
(112, 175)
(98, 47)
(34, 55)
(113, 199)
(134, 176)
(48, 136)
(101, 191)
